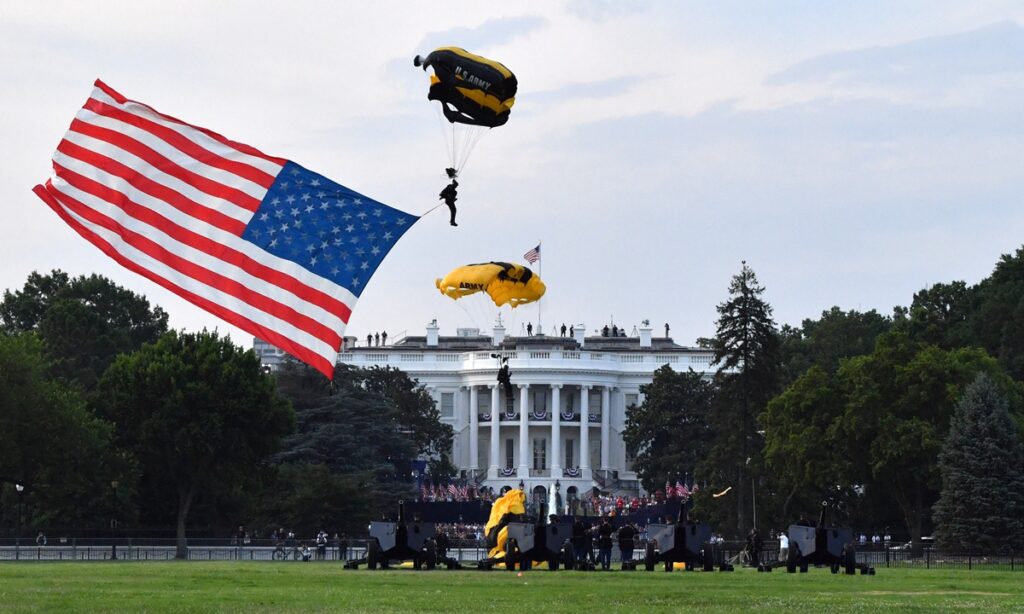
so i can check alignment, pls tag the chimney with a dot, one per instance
(499, 333)
(579, 333)
(645, 334)
(432, 333)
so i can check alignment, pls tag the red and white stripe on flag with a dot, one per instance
(533, 255)
(170, 201)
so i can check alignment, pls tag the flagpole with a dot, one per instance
(540, 272)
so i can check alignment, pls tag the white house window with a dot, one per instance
(632, 399)
(540, 454)
(569, 454)
(447, 404)
(510, 449)
(540, 398)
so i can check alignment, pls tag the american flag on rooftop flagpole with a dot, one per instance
(268, 246)
(533, 255)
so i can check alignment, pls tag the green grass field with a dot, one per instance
(292, 586)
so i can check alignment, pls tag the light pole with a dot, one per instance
(113, 518)
(20, 488)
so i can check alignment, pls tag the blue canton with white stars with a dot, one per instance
(325, 227)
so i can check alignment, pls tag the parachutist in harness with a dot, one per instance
(449, 195)
(505, 377)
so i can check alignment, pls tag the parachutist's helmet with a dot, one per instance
(417, 61)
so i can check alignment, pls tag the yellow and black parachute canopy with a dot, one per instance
(471, 89)
(511, 284)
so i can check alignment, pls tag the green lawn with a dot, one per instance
(293, 586)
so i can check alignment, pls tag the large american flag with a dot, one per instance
(533, 255)
(275, 249)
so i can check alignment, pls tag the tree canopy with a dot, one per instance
(363, 433)
(669, 432)
(49, 441)
(196, 413)
(83, 322)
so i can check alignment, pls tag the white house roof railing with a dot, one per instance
(543, 359)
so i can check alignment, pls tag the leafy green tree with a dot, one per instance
(982, 466)
(939, 315)
(198, 415)
(747, 353)
(50, 442)
(83, 322)
(997, 320)
(669, 432)
(365, 429)
(801, 426)
(898, 402)
(310, 497)
(824, 342)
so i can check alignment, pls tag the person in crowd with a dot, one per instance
(626, 534)
(604, 544)
(307, 554)
(754, 547)
(384, 337)
(783, 546)
(41, 539)
(321, 545)
(580, 542)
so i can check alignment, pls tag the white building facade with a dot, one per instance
(565, 420)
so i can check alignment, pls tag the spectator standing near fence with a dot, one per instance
(783, 546)
(604, 544)
(321, 545)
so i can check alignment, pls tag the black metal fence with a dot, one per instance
(466, 551)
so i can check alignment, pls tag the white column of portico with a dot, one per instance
(492, 471)
(474, 429)
(585, 431)
(606, 411)
(556, 431)
(524, 432)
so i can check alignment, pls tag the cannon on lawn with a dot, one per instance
(400, 541)
(515, 539)
(531, 541)
(681, 542)
(820, 546)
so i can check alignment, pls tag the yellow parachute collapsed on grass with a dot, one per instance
(507, 284)
(512, 503)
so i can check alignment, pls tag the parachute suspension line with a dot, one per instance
(473, 137)
(473, 320)
(449, 146)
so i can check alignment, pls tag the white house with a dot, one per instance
(564, 422)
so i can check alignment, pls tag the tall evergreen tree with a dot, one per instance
(360, 436)
(982, 465)
(748, 357)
